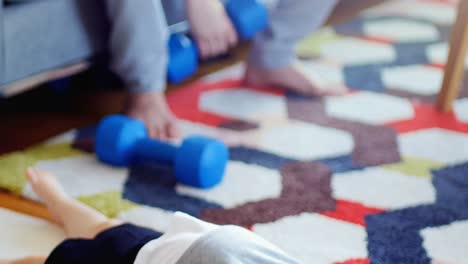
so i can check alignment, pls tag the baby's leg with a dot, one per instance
(28, 260)
(78, 220)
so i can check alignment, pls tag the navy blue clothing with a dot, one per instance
(117, 245)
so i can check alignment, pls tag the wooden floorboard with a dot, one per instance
(21, 205)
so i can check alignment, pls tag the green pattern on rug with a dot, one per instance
(14, 165)
(53, 151)
(415, 166)
(311, 45)
(109, 203)
(12, 168)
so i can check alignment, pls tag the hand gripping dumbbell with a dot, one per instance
(198, 162)
(247, 16)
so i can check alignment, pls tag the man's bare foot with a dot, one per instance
(293, 78)
(211, 27)
(77, 219)
(46, 186)
(152, 109)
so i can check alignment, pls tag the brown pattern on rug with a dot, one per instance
(464, 87)
(374, 145)
(306, 188)
(239, 125)
(85, 144)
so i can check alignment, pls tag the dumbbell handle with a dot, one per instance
(183, 27)
(151, 149)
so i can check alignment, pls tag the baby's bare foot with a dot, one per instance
(293, 78)
(152, 109)
(46, 186)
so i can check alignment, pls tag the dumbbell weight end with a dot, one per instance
(204, 157)
(248, 16)
(183, 58)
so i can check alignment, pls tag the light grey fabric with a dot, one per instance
(138, 43)
(139, 37)
(174, 10)
(44, 34)
(233, 245)
(290, 21)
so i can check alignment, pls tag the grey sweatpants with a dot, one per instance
(140, 33)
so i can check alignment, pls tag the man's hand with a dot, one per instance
(211, 27)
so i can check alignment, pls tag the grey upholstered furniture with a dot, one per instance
(40, 36)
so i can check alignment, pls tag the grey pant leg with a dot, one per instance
(175, 11)
(290, 21)
(138, 43)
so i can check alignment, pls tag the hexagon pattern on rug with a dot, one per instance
(391, 29)
(435, 144)
(233, 72)
(369, 108)
(418, 79)
(353, 51)
(381, 188)
(434, 11)
(308, 143)
(258, 183)
(244, 104)
(83, 176)
(374, 176)
(460, 107)
(438, 53)
(436, 239)
(296, 234)
(324, 74)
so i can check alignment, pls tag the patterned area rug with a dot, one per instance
(376, 176)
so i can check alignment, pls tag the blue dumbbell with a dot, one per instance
(247, 16)
(198, 162)
(183, 58)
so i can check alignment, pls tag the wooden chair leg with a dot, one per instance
(456, 60)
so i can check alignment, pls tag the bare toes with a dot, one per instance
(31, 176)
(172, 129)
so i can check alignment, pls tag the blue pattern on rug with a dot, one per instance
(154, 185)
(393, 237)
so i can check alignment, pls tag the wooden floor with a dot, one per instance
(39, 114)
